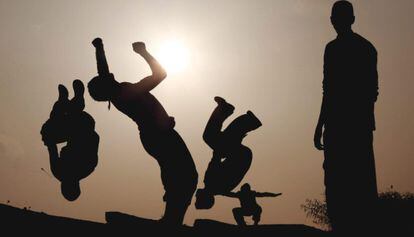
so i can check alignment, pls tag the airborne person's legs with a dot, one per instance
(214, 125)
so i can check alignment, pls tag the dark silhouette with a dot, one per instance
(22, 222)
(26, 222)
(160, 140)
(231, 159)
(350, 89)
(69, 123)
(248, 204)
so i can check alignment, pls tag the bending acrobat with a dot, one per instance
(156, 128)
(231, 159)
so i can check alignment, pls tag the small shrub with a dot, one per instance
(395, 211)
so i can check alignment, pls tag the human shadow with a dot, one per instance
(69, 123)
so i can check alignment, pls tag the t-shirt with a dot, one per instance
(350, 82)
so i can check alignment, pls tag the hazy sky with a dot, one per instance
(264, 56)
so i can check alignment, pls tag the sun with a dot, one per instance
(173, 56)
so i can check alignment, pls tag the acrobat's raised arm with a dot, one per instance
(266, 194)
(158, 72)
(103, 69)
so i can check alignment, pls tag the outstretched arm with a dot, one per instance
(230, 194)
(158, 72)
(266, 194)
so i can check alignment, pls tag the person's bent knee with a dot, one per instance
(210, 139)
(256, 217)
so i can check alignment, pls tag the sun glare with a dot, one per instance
(173, 56)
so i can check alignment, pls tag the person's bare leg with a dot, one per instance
(240, 126)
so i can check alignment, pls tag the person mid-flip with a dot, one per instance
(248, 204)
(69, 123)
(231, 159)
(160, 140)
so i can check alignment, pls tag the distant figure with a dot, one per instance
(160, 140)
(350, 90)
(69, 123)
(248, 204)
(231, 159)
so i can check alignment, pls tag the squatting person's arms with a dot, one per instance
(267, 194)
(230, 194)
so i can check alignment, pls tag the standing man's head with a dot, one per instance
(342, 17)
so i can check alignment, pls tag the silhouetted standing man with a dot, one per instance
(350, 89)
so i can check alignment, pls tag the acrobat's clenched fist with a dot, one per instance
(97, 42)
(139, 47)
